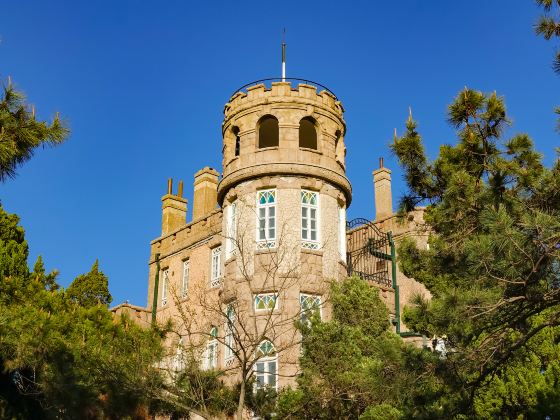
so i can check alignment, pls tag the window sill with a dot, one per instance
(265, 251)
(308, 149)
(318, 252)
(265, 149)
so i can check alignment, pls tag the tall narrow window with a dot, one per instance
(164, 287)
(309, 219)
(211, 358)
(229, 341)
(266, 219)
(268, 132)
(310, 305)
(266, 367)
(342, 233)
(307, 133)
(216, 274)
(231, 229)
(185, 279)
(235, 131)
(179, 362)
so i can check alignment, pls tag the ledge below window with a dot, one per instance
(318, 252)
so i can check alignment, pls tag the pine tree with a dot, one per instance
(548, 25)
(21, 133)
(493, 263)
(62, 359)
(90, 289)
(354, 366)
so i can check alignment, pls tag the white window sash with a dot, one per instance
(229, 341)
(266, 222)
(216, 267)
(211, 356)
(231, 229)
(266, 372)
(310, 222)
(342, 233)
(185, 280)
(164, 286)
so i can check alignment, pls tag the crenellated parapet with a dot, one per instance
(308, 139)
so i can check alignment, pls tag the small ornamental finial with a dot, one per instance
(381, 162)
(32, 111)
(410, 114)
(395, 134)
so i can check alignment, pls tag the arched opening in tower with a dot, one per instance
(307, 133)
(268, 132)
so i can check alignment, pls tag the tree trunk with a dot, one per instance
(241, 402)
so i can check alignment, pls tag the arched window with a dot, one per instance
(235, 131)
(266, 367)
(307, 133)
(268, 132)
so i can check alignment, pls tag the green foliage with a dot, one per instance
(549, 26)
(90, 289)
(353, 366)
(493, 263)
(381, 412)
(21, 133)
(59, 359)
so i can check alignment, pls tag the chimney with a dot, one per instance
(382, 190)
(174, 209)
(205, 196)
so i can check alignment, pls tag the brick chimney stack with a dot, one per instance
(382, 189)
(205, 196)
(174, 209)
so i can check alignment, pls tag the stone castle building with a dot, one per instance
(267, 237)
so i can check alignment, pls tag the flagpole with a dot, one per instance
(284, 56)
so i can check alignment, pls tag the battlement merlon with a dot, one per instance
(283, 92)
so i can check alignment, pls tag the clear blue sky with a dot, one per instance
(143, 84)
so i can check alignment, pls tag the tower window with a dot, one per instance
(235, 131)
(229, 341)
(266, 219)
(268, 132)
(309, 219)
(266, 367)
(307, 133)
(211, 357)
(231, 229)
(342, 233)
(266, 301)
(310, 306)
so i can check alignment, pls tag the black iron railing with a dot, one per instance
(368, 252)
(286, 79)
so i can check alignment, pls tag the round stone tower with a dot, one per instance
(284, 194)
